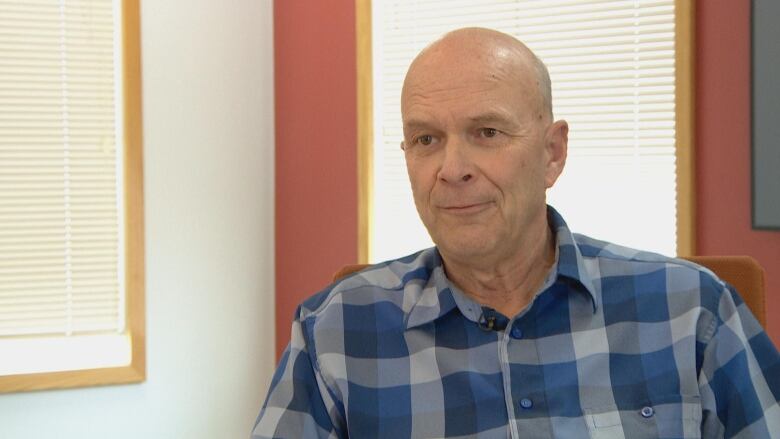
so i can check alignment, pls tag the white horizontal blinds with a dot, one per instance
(612, 69)
(615, 87)
(59, 197)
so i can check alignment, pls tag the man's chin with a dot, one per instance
(471, 249)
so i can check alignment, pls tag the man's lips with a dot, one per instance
(466, 208)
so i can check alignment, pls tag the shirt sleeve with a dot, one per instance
(739, 379)
(299, 404)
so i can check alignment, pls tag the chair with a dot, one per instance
(742, 272)
(347, 270)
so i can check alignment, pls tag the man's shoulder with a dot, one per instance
(595, 248)
(608, 252)
(614, 264)
(381, 284)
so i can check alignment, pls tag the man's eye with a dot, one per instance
(426, 139)
(488, 132)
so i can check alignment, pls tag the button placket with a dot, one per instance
(503, 357)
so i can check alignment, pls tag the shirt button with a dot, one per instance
(526, 403)
(647, 412)
(516, 332)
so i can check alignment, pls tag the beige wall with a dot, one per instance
(208, 146)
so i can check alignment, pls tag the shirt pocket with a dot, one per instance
(674, 416)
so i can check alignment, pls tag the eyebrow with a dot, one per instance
(480, 118)
(416, 124)
(489, 117)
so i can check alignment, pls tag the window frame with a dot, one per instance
(684, 127)
(133, 233)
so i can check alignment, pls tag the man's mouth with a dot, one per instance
(466, 208)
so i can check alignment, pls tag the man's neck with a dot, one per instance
(507, 284)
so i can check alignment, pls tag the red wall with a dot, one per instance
(316, 134)
(316, 193)
(723, 145)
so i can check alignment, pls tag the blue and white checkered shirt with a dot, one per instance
(617, 344)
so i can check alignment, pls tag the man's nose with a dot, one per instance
(456, 166)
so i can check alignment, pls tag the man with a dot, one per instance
(512, 326)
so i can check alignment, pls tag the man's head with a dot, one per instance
(480, 143)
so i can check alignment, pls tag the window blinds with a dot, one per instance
(60, 173)
(612, 70)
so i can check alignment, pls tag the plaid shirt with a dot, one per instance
(617, 344)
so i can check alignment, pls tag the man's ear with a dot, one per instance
(556, 147)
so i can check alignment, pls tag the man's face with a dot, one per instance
(479, 151)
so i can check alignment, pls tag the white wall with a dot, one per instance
(208, 147)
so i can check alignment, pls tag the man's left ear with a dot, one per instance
(556, 145)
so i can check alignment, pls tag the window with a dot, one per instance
(71, 207)
(621, 77)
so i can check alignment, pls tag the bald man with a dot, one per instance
(512, 326)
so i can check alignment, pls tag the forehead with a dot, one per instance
(467, 90)
(470, 69)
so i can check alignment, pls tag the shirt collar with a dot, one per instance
(570, 264)
(438, 297)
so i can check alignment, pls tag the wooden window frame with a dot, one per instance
(684, 126)
(684, 50)
(134, 234)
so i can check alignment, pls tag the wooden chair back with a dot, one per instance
(744, 274)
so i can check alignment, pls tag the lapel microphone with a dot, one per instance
(489, 320)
